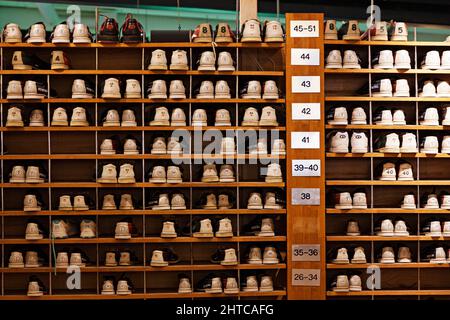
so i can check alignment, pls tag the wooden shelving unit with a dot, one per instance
(72, 160)
(349, 172)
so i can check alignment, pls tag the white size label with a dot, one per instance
(304, 28)
(306, 252)
(306, 111)
(305, 84)
(305, 57)
(305, 196)
(306, 168)
(306, 277)
(305, 140)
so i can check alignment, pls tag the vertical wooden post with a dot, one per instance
(248, 9)
(305, 156)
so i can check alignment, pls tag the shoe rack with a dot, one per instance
(350, 171)
(72, 159)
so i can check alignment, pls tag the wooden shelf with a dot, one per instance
(144, 45)
(380, 238)
(388, 211)
(135, 156)
(386, 71)
(147, 296)
(172, 268)
(386, 155)
(390, 293)
(387, 183)
(412, 265)
(385, 99)
(384, 127)
(388, 43)
(99, 100)
(260, 184)
(144, 72)
(143, 212)
(146, 240)
(137, 128)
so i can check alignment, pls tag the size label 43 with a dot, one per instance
(306, 111)
(306, 277)
(306, 168)
(305, 140)
(305, 57)
(306, 252)
(305, 84)
(305, 196)
(304, 28)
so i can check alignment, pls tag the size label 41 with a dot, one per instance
(305, 57)
(306, 111)
(305, 84)
(305, 140)
(306, 252)
(304, 28)
(306, 277)
(306, 168)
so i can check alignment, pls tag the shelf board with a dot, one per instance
(143, 72)
(385, 127)
(384, 99)
(181, 267)
(388, 43)
(136, 156)
(146, 240)
(388, 211)
(142, 296)
(380, 238)
(138, 128)
(387, 183)
(412, 265)
(145, 45)
(142, 212)
(385, 71)
(386, 155)
(260, 184)
(188, 100)
(390, 293)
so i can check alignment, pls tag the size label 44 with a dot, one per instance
(306, 277)
(304, 28)
(305, 57)
(306, 168)
(306, 252)
(305, 84)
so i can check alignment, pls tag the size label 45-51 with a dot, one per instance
(304, 28)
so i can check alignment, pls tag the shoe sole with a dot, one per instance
(82, 96)
(216, 179)
(203, 235)
(168, 235)
(177, 67)
(157, 67)
(224, 235)
(159, 264)
(107, 181)
(59, 67)
(22, 67)
(126, 180)
(228, 263)
(14, 123)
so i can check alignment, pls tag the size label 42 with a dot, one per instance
(305, 57)
(305, 84)
(306, 252)
(306, 277)
(306, 111)
(306, 168)
(304, 28)
(305, 140)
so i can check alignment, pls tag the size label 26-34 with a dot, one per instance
(306, 111)
(304, 28)
(306, 168)
(306, 252)
(306, 277)
(305, 84)
(305, 57)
